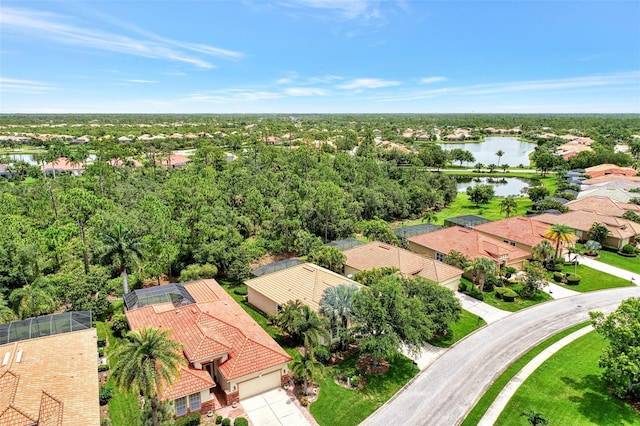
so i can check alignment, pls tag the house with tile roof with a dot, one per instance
(621, 231)
(63, 165)
(611, 180)
(615, 193)
(50, 380)
(602, 205)
(174, 160)
(377, 255)
(517, 231)
(609, 169)
(305, 282)
(437, 245)
(227, 352)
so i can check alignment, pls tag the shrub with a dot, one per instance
(241, 290)
(557, 267)
(304, 401)
(355, 381)
(240, 421)
(506, 294)
(558, 276)
(322, 354)
(573, 279)
(226, 421)
(105, 422)
(218, 420)
(105, 394)
(490, 283)
(628, 249)
(119, 324)
(509, 271)
(192, 419)
(198, 272)
(475, 293)
(103, 367)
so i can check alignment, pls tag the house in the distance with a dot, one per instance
(602, 205)
(378, 255)
(473, 244)
(228, 354)
(63, 165)
(51, 379)
(609, 169)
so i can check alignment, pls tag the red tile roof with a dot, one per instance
(602, 205)
(469, 242)
(582, 220)
(62, 163)
(378, 255)
(519, 229)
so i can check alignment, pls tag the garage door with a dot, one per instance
(259, 384)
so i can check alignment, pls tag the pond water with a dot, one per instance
(516, 152)
(503, 187)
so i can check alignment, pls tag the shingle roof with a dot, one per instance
(306, 282)
(522, 230)
(582, 220)
(469, 242)
(52, 380)
(377, 255)
(212, 326)
(602, 205)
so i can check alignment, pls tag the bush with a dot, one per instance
(119, 324)
(304, 401)
(241, 290)
(240, 421)
(573, 279)
(103, 367)
(105, 422)
(355, 381)
(105, 394)
(226, 421)
(192, 419)
(218, 420)
(558, 276)
(628, 249)
(557, 267)
(506, 294)
(322, 354)
(475, 293)
(198, 272)
(490, 283)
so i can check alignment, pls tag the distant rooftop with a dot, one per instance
(174, 293)
(46, 325)
(275, 266)
(345, 244)
(410, 231)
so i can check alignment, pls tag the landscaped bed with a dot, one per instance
(492, 299)
(568, 390)
(591, 279)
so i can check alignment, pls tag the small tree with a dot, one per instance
(457, 259)
(328, 257)
(480, 194)
(533, 279)
(543, 252)
(481, 267)
(508, 205)
(598, 232)
(592, 247)
(534, 418)
(499, 154)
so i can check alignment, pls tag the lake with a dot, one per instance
(516, 152)
(502, 186)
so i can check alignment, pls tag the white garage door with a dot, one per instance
(259, 385)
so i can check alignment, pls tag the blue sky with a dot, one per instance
(333, 56)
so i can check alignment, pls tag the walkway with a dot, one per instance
(613, 270)
(485, 311)
(558, 292)
(503, 398)
(427, 355)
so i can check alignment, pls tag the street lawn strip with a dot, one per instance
(490, 298)
(490, 394)
(568, 389)
(631, 264)
(592, 279)
(467, 324)
(340, 406)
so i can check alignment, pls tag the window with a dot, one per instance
(439, 257)
(194, 401)
(181, 406)
(278, 309)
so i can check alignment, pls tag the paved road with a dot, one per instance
(445, 392)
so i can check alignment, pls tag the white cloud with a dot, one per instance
(305, 91)
(429, 80)
(369, 83)
(52, 27)
(284, 80)
(231, 95)
(325, 79)
(27, 87)
(136, 80)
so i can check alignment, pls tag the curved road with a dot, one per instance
(445, 392)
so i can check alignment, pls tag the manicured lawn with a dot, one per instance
(339, 406)
(592, 279)
(520, 303)
(467, 324)
(627, 263)
(490, 395)
(568, 390)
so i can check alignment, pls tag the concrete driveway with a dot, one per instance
(273, 408)
(445, 392)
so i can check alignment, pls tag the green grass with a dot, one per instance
(339, 406)
(467, 324)
(520, 302)
(490, 395)
(610, 258)
(568, 390)
(592, 279)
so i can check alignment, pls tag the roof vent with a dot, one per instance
(19, 356)
(5, 360)
(177, 311)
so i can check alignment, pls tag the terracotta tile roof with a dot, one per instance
(377, 255)
(191, 381)
(213, 326)
(582, 220)
(602, 205)
(615, 192)
(305, 282)
(174, 160)
(50, 379)
(62, 163)
(469, 242)
(613, 168)
(523, 230)
(609, 178)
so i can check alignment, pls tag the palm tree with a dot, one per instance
(534, 418)
(146, 362)
(543, 251)
(336, 304)
(429, 216)
(286, 317)
(121, 247)
(500, 153)
(309, 328)
(306, 367)
(32, 300)
(559, 233)
(508, 205)
(481, 267)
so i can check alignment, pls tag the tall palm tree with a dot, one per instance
(336, 304)
(559, 233)
(309, 328)
(508, 205)
(481, 267)
(121, 247)
(286, 317)
(500, 153)
(147, 361)
(306, 367)
(32, 300)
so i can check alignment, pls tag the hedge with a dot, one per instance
(506, 294)
(573, 279)
(558, 276)
(192, 419)
(240, 421)
(241, 290)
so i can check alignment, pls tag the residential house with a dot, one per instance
(378, 255)
(305, 282)
(63, 165)
(621, 231)
(610, 169)
(473, 244)
(612, 181)
(521, 232)
(616, 194)
(51, 379)
(174, 160)
(227, 352)
(602, 205)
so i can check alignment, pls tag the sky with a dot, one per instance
(319, 56)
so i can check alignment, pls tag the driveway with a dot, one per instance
(273, 408)
(447, 390)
